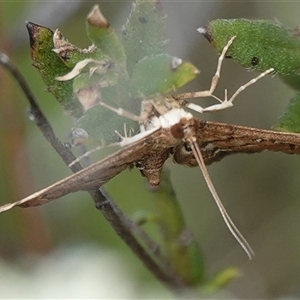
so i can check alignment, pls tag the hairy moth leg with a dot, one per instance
(226, 103)
(215, 79)
(214, 83)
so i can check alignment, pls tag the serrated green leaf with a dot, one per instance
(259, 44)
(161, 73)
(104, 37)
(50, 66)
(144, 32)
(70, 54)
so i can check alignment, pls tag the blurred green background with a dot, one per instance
(260, 192)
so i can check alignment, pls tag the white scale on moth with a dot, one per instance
(174, 116)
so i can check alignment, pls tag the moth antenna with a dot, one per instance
(250, 82)
(87, 153)
(229, 223)
(121, 112)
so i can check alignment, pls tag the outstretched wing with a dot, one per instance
(216, 140)
(93, 176)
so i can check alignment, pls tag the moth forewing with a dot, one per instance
(93, 176)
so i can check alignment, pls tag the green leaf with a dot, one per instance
(99, 122)
(161, 73)
(220, 280)
(258, 45)
(50, 66)
(104, 37)
(70, 54)
(144, 32)
(261, 45)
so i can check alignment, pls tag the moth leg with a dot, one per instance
(88, 153)
(132, 139)
(146, 112)
(121, 112)
(207, 93)
(228, 102)
(147, 109)
(125, 140)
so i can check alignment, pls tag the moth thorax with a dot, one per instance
(173, 117)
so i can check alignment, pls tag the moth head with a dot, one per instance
(186, 129)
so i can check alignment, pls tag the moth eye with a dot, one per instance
(177, 131)
(254, 61)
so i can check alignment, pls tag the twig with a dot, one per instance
(134, 228)
(102, 201)
(35, 114)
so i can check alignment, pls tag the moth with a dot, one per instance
(166, 129)
(215, 140)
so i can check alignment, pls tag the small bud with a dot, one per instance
(96, 18)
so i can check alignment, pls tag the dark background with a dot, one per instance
(41, 247)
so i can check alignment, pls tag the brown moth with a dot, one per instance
(166, 128)
(215, 140)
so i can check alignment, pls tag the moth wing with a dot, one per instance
(94, 176)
